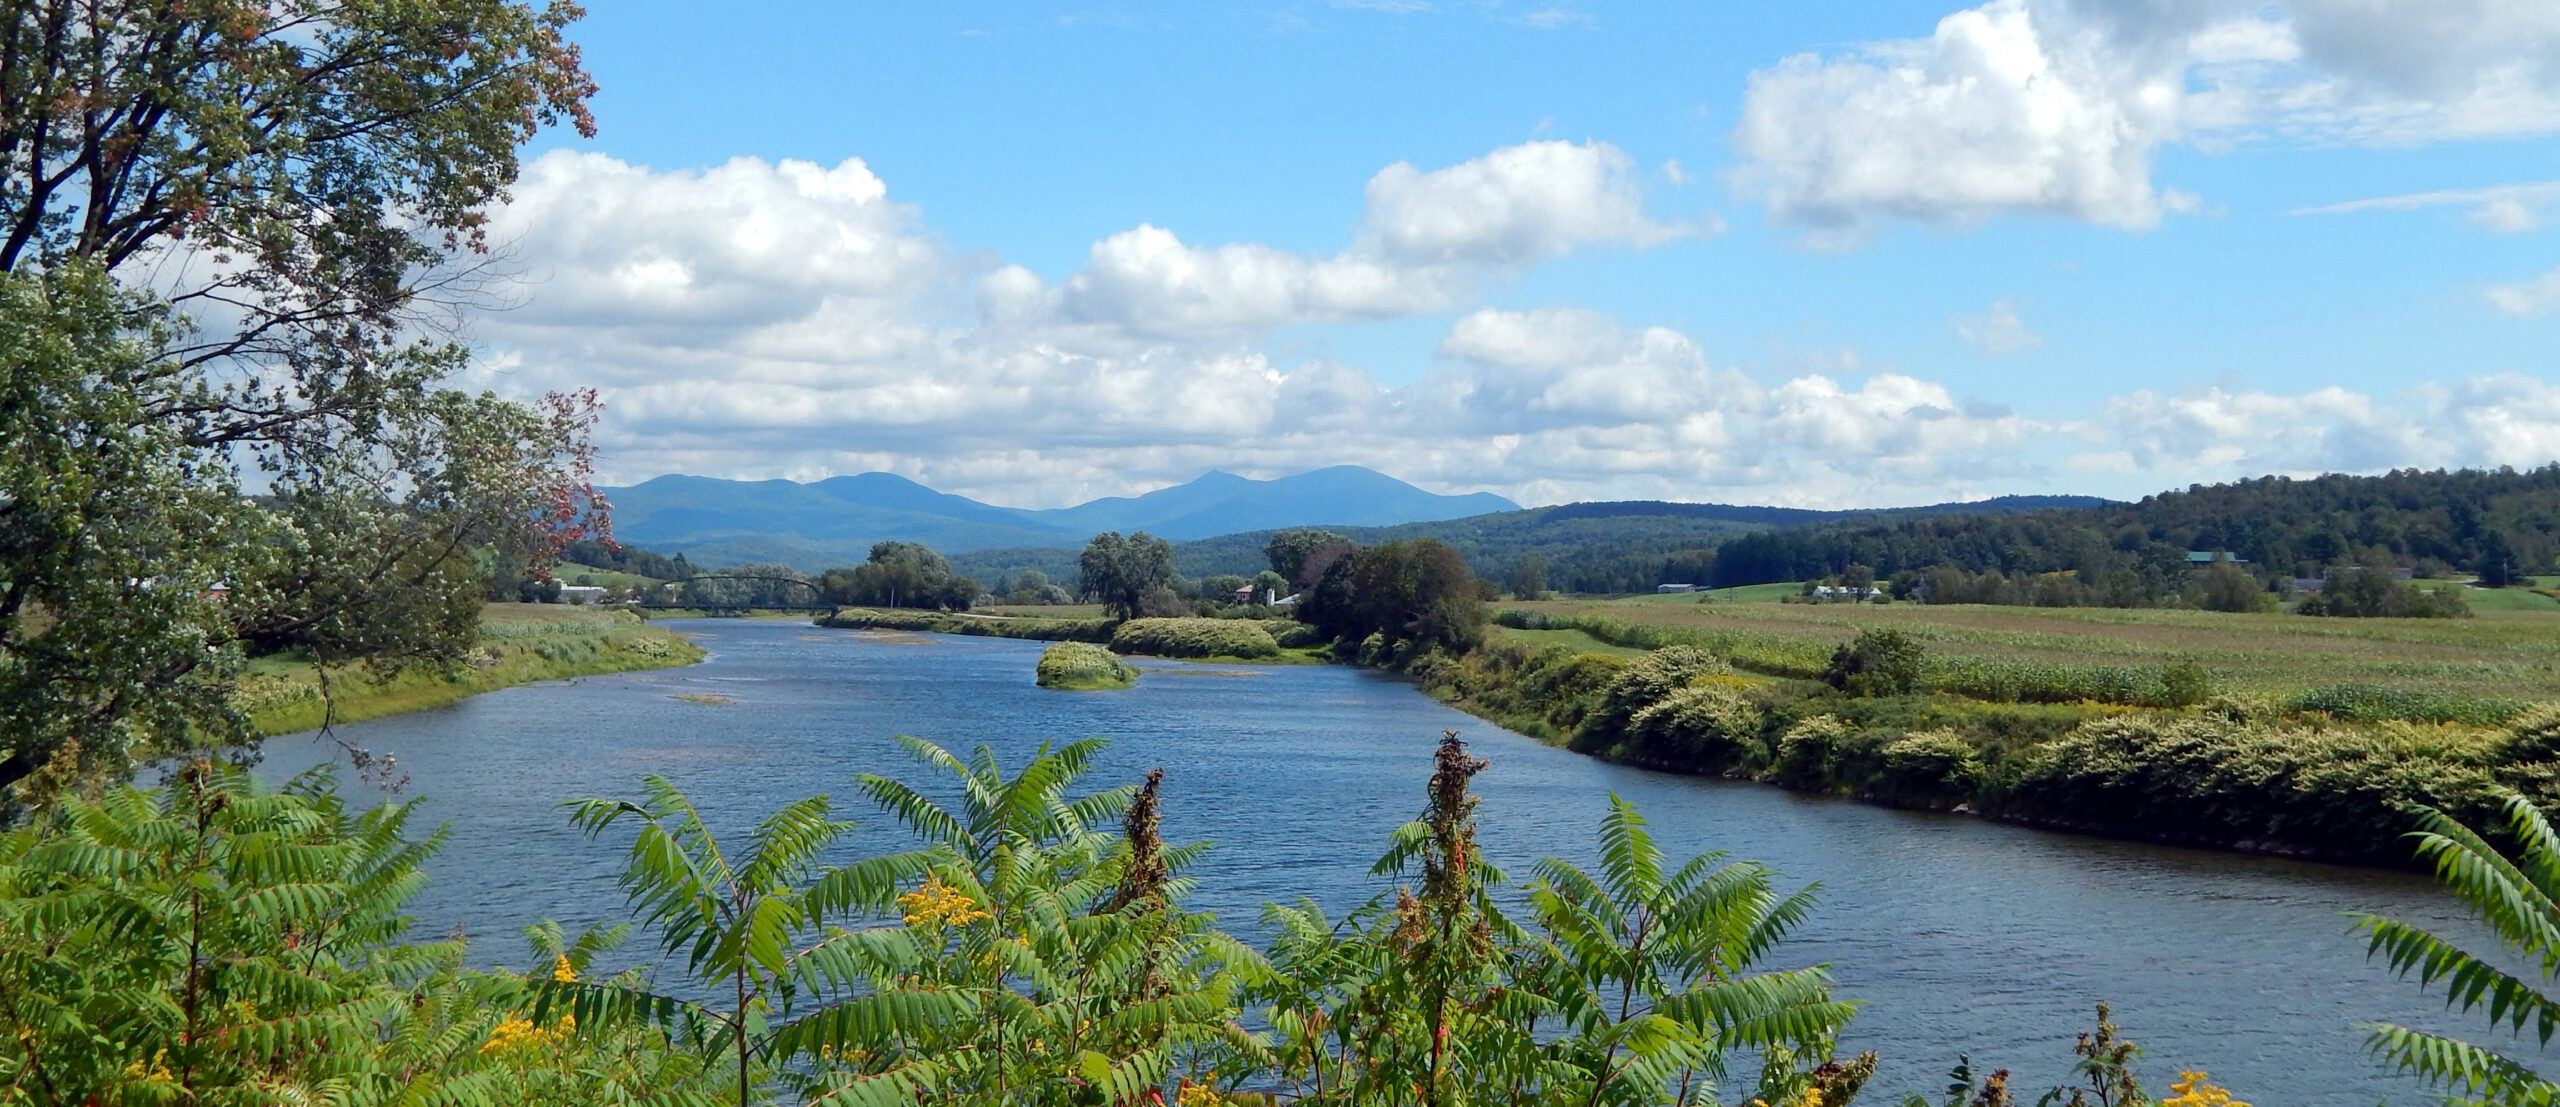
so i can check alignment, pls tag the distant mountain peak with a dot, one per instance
(835, 520)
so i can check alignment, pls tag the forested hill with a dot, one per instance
(1613, 546)
(2462, 520)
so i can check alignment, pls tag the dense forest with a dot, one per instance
(1619, 546)
(2499, 525)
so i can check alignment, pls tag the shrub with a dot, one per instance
(1933, 767)
(2333, 791)
(1808, 753)
(1083, 666)
(1194, 637)
(1646, 681)
(1876, 663)
(1701, 728)
(2185, 684)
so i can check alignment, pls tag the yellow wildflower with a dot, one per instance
(939, 904)
(157, 1072)
(516, 1030)
(2193, 1090)
(561, 972)
(1200, 1095)
(1812, 1098)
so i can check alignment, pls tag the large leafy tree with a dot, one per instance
(232, 234)
(1121, 571)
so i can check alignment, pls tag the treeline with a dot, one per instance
(1617, 546)
(2500, 525)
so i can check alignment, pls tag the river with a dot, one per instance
(1960, 936)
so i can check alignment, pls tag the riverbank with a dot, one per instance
(519, 644)
(2326, 774)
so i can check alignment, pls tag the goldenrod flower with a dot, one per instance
(561, 972)
(939, 904)
(2193, 1090)
(157, 1072)
(1200, 1095)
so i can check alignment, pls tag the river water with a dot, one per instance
(1961, 936)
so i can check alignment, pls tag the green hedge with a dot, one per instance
(1195, 637)
(1083, 667)
(928, 622)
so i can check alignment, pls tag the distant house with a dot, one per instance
(1827, 593)
(1669, 589)
(1244, 594)
(1285, 601)
(580, 593)
(2200, 558)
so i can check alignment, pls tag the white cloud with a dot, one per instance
(1997, 331)
(761, 319)
(2058, 107)
(2504, 209)
(2006, 107)
(2217, 433)
(2527, 299)
(1425, 239)
(1515, 206)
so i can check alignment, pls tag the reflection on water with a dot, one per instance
(1961, 936)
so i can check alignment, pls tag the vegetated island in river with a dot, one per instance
(1083, 667)
(519, 643)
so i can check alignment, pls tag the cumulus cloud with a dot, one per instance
(1515, 206)
(1426, 238)
(2059, 107)
(1997, 331)
(785, 319)
(2217, 433)
(2527, 299)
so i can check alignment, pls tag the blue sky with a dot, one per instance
(1824, 254)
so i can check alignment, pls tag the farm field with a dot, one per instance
(2506, 654)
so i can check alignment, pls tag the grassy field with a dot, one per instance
(2505, 653)
(1578, 641)
(519, 643)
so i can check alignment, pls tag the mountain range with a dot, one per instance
(834, 521)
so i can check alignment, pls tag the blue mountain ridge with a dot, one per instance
(835, 521)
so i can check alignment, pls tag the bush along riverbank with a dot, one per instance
(519, 644)
(2227, 772)
(1083, 667)
(1257, 641)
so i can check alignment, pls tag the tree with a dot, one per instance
(1876, 663)
(306, 183)
(1289, 552)
(1417, 592)
(2228, 587)
(1529, 578)
(900, 574)
(2496, 561)
(1120, 572)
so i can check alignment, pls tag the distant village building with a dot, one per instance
(1244, 594)
(580, 593)
(1669, 589)
(1842, 593)
(2198, 558)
